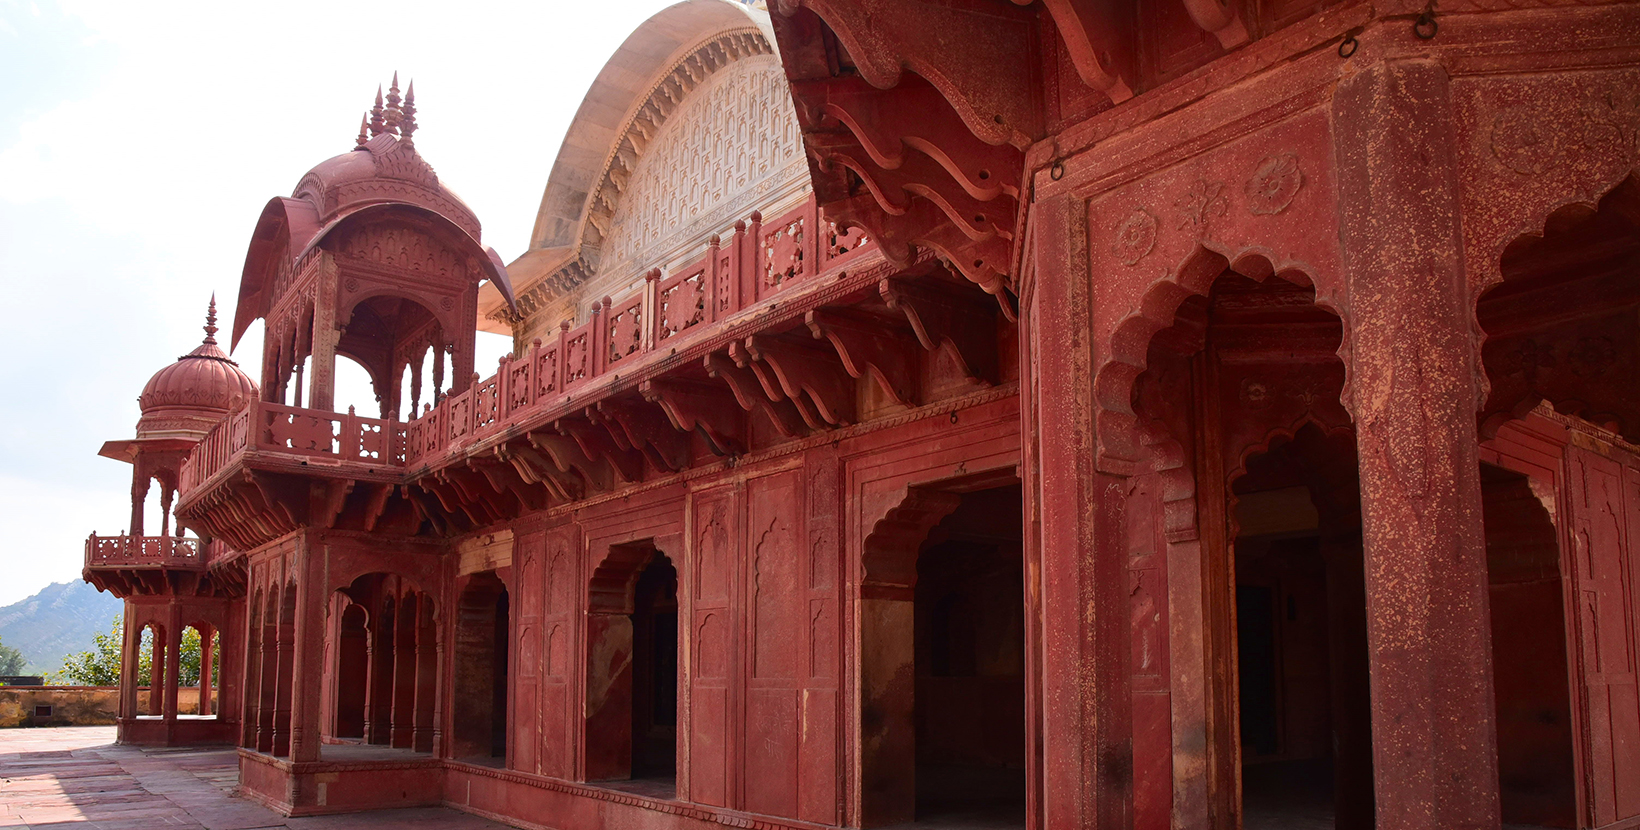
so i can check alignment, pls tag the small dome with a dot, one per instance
(194, 393)
(383, 167)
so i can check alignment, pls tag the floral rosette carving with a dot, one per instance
(1274, 184)
(1135, 237)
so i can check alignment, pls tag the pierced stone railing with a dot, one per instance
(311, 433)
(758, 260)
(143, 552)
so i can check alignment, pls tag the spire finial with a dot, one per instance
(364, 127)
(407, 120)
(377, 125)
(393, 112)
(210, 322)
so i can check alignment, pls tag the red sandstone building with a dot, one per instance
(1055, 414)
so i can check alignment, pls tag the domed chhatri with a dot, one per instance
(188, 397)
(383, 166)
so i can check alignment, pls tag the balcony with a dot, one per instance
(758, 261)
(143, 552)
(129, 566)
(292, 439)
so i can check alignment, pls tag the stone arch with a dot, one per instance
(1542, 218)
(1126, 354)
(889, 554)
(1545, 319)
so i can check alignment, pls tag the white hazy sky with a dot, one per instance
(138, 143)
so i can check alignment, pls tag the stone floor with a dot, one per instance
(75, 777)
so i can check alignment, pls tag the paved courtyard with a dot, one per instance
(76, 777)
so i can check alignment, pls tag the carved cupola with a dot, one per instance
(371, 258)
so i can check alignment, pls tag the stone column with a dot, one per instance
(426, 675)
(1087, 740)
(129, 667)
(307, 669)
(206, 638)
(173, 661)
(139, 495)
(326, 331)
(1414, 392)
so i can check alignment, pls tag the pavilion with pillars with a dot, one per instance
(993, 413)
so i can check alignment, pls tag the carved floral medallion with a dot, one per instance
(1274, 184)
(1135, 237)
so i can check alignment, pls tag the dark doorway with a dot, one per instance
(482, 636)
(352, 673)
(969, 643)
(655, 671)
(1300, 599)
(498, 679)
(1536, 777)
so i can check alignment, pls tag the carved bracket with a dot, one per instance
(636, 426)
(805, 371)
(695, 405)
(947, 319)
(748, 392)
(870, 346)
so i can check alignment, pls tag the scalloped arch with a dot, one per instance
(1621, 195)
(1126, 354)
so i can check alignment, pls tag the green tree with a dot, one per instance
(100, 665)
(11, 660)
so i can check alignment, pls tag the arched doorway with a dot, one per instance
(1561, 424)
(1246, 506)
(1530, 681)
(942, 662)
(1304, 716)
(632, 670)
(352, 672)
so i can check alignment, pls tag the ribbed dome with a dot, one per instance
(195, 392)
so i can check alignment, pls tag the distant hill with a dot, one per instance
(58, 621)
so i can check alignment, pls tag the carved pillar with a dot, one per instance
(404, 675)
(129, 667)
(327, 330)
(165, 494)
(307, 663)
(1077, 517)
(284, 671)
(173, 662)
(462, 360)
(139, 495)
(1414, 392)
(379, 707)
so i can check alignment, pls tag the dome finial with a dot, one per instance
(210, 322)
(377, 125)
(364, 127)
(407, 120)
(393, 112)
